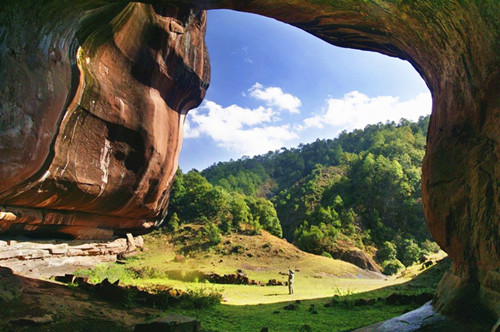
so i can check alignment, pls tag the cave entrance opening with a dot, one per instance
(278, 101)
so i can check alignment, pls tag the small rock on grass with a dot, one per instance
(33, 320)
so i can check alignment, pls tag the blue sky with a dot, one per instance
(275, 86)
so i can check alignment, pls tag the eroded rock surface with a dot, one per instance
(103, 140)
(92, 103)
(46, 258)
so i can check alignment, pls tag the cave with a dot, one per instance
(78, 77)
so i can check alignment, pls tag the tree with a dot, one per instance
(409, 252)
(173, 223)
(193, 204)
(239, 210)
(308, 239)
(212, 233)
(392, 266)
(363, 185)
(387, 251)
(266, 213)
(214, 204)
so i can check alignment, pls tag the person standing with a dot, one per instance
(291, 279)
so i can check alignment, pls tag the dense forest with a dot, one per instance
(361, 189)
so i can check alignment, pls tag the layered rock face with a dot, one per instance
(92, 104)
(92, 99)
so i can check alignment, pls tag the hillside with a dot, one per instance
(354, 196)
(263, 253)
(184, 262)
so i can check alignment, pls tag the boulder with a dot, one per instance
(351, 254)
(33, 320)
(130, 242)
(10, 286)
(179, 258)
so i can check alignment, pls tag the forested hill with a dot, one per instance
(360, 190)
(268, 174)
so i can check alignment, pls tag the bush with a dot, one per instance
(254, 227)
(387, 251)
(309, 238)
(173, 223)
(392, 266)
(326, 254)
(202, 297)
(213, 234)
(430, 247)
(225, 225)
(409, 252)
(111, 272)
(147, 272)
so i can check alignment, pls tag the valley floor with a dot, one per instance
(329, 295)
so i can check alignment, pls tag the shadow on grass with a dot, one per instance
(338, 313)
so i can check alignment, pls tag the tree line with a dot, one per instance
(362, 188)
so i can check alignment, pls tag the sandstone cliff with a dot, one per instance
(92, 99)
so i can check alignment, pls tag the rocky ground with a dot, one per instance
(43, 259)
(30, 301)
(26, 306)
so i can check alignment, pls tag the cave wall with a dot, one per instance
(92, 103)
(93, 95)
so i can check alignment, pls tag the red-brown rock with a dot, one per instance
(92, 99)
(351, 254)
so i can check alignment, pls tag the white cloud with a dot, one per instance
(356, 110)
(238, 129)
(275, 97)
(246, 131)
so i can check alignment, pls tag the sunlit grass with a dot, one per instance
(250, 307)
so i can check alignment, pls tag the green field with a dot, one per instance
(249, 308)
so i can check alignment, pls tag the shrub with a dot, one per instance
(387, 251)
(409, 252)
(203, 297)
(213, 234)
(225, 225)
(147, 272)
(173, 223)
(430, 247)
(254, 227)
(237, 249)
(392, 266)
(326, 254)
(111, 272)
